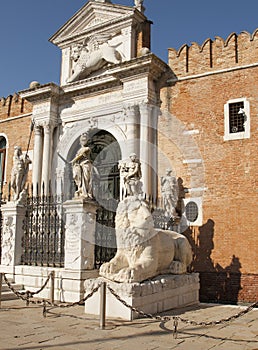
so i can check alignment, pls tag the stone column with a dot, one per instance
(80, 234)
(47, 155)
(154, 150)
(145, 146)
(133, 132)
(13, 216)
(37, 158)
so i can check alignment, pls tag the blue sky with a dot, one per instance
(26, 26)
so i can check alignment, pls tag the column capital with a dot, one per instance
(38, 129)
(130, 110)
(49, 126)
(145, 107)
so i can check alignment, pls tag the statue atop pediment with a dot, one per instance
(139, 5)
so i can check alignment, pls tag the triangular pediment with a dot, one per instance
(93, 17)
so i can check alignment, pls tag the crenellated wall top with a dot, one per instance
(13, 106)
(237, 50)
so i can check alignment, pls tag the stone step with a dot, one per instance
(7, 294)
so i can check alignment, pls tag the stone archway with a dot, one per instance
(105, 154)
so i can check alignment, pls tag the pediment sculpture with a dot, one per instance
(92, 55)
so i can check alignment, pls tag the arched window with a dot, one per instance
(2, 159)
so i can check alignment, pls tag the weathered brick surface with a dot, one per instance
(228, 287)
(15, 119)
(228, 238)
(215, 54)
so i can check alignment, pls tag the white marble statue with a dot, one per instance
(139, 5)
(130, 174)
(83, 170)
(90, 58)
(170, 192)
(19, 172)
(143, 251)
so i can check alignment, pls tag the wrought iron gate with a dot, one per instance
(105, 236)
(43, 240)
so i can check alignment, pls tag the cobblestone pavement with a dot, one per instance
(24, 327)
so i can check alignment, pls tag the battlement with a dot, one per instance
(217, 54)
(13, 105)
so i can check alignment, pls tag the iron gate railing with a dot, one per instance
(43, 227)
(105, 236)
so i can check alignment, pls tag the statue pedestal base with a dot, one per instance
(13, 216)
(80, 234)
(161, 294)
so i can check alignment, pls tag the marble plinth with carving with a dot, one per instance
(160, 294)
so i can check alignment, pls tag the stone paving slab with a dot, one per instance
(25, 328)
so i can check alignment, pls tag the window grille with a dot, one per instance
(191, 211)
(236, 119)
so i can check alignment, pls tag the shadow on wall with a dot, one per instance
(217, 284)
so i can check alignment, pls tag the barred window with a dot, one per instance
(237, 117)
(191, 211)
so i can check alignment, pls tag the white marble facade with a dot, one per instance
(119, 97)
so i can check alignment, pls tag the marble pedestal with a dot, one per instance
(158, 295)
(13, 216)
(80, 234)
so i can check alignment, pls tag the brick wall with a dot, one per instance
(215, 54)
(12, 106)
(143, 37)
(226, 243)
(15, 119)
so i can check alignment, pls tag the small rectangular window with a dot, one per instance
(237, 119)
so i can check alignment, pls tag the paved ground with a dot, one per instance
(24, 327)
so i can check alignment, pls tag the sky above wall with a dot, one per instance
(25, 27)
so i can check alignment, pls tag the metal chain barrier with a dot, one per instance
(28, 295)
(176, 319)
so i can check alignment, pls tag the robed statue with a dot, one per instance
(83, 170)
(19, 172)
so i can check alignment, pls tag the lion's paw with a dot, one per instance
(126, 275)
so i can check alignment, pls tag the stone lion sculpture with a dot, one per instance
(143, 251)
(86, 60)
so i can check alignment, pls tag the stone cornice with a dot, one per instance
(48, 92)
(149, 65)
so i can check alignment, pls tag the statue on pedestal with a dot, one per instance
(144, 252)
(19, 172)
(131, 174)
(82, 170)
(170, 192)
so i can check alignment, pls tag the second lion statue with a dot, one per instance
(143, 251)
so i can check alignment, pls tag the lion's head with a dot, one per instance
(134, 223)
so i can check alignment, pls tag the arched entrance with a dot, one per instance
(105, 154)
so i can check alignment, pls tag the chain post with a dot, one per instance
(103, 292)
(1, 281)
(52, 287)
